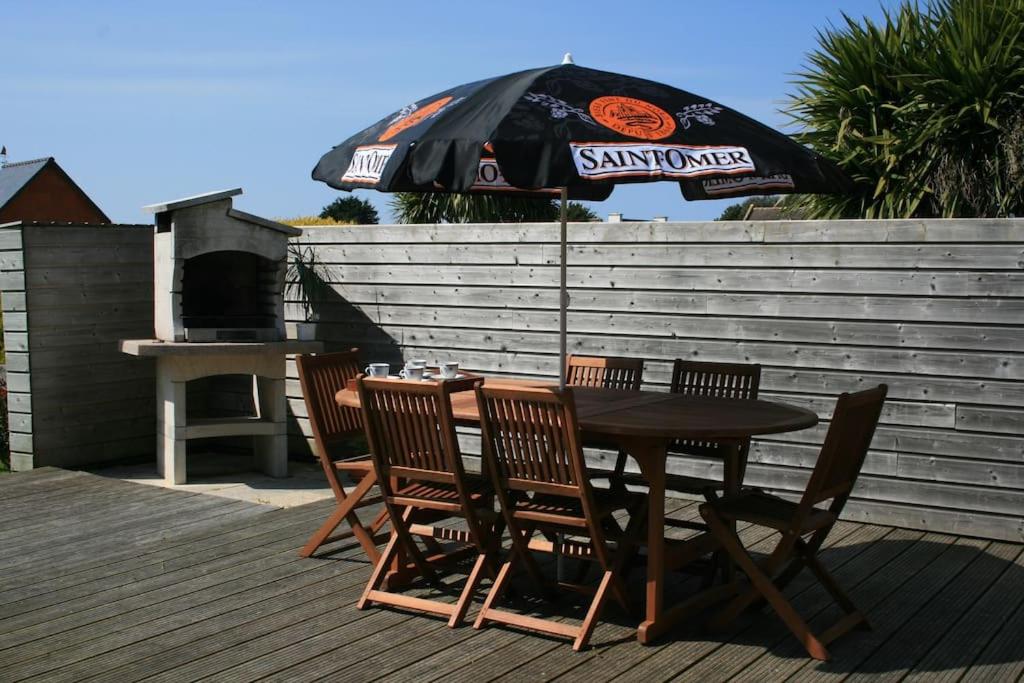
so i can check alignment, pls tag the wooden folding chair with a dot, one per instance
(803, 526)
(321, 377)
(416, 452)
(531, 446)
(608, 372)
(715, 380)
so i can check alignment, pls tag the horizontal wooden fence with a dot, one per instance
(935, 309)
(70, 292)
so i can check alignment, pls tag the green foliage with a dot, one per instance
(923, 110)
(351, 210)
(306, 221)
(416, 207)
(307, 280)
(579, 213)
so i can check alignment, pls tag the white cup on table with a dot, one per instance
(414, 372)
(449, 370)
(377, 369)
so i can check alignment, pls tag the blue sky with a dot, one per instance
(148, 101)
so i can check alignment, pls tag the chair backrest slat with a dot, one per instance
(321, 376)
(531, 435)
(846, 446)
(719, 380)
(410, 426)
(715, 380)
(606, 372)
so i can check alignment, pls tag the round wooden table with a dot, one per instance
(644, 423)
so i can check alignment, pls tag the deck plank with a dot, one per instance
(901, 600)
(904, 646)
(1001, 660)
(442, 663)
(123, 582)
(690, 646)
(174, 556)
(951, 656)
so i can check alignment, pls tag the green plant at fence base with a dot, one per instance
(307, 280)
(924, 110)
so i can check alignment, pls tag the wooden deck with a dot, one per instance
(114, 581)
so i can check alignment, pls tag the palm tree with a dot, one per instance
(922, 110)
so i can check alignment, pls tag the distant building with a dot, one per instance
(617, 218)
(40, 190)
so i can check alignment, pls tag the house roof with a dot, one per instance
(15, 176)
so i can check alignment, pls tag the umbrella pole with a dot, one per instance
(563, 298)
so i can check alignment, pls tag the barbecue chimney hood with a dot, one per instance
(219, 273)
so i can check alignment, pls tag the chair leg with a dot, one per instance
(462, 606)
(520, 541)
(616, 480)
(594, 612)
(764, 585)
(624, 554)
(837, 593)
(400, 524)
(346, 511)
(379, 521)
(379, 571)
(497, 588)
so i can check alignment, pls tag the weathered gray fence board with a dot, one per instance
(843, 231)
(12, 281)
(433, 306)
(10, 238)
(14, 301)
(90, 236)
(88, 286)
(1000, 310)
(12, 260)
(73, 278)
(944, 256)
(985, 419)
(530, 345)
(768, 281)
(933, 308)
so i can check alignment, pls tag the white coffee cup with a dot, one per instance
(377, 369)
(415, 372)
(449, 370)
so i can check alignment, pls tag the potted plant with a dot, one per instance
(307, 281)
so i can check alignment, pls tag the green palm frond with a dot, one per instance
(923, 109)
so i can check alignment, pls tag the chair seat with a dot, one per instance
(770, 511)
(445, 493)
(607, 503)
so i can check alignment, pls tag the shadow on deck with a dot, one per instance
(102, 579)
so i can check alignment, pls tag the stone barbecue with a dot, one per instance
(218, 309)
(219, 272)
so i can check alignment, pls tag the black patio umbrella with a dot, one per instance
(571, 132)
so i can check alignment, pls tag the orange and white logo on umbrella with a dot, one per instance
(414, 117)
(633, 117)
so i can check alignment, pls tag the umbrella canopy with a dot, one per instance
(578, 128)
(571, 132)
